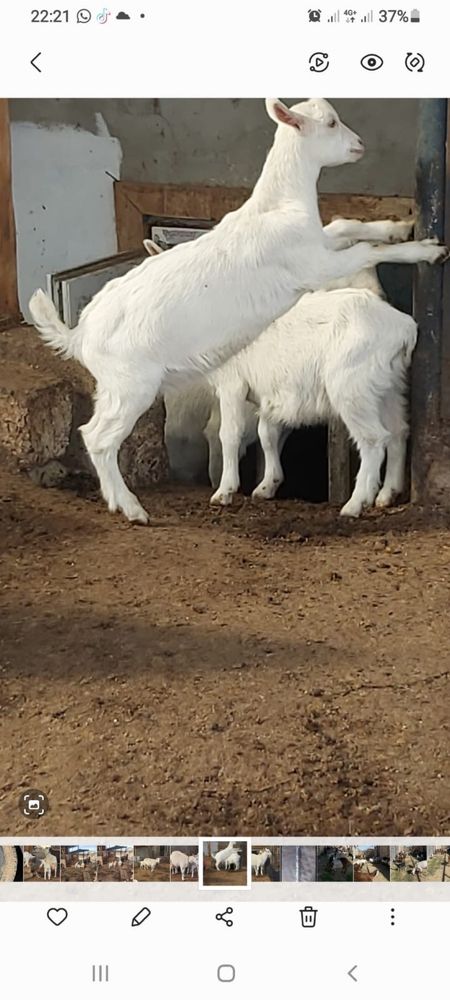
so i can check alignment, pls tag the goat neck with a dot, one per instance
(289, 177)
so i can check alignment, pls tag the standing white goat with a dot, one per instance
(260, 860)
(342, 353)
(193, 864)
(50, 865)
(188, 310)
(179, 860)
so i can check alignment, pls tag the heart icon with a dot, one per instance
(57, 916)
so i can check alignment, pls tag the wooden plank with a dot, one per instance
(134, 201)
(130, 226)
(338, 463)
(367, 208)
(9, 305)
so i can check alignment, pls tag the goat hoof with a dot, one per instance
(438, 252)
(263, 493)
(137, 515)
(350, 511)
(221, 499)
(384, 500)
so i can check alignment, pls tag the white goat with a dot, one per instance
(192, 423)
(150, 863)
(342, 353)
(189, 310)
(260, 860)
(28, 858)
(193, 864)
(188, 411)
(50, 865)
(222, 855)
(179, 860)
(233, 859)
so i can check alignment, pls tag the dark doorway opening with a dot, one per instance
(305, 465)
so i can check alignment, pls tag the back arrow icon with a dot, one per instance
(350, 973)
(33, 61)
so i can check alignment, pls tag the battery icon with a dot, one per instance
(415, 16)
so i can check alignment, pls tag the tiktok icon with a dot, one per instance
(102, 17)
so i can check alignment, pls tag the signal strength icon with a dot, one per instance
(368, 18)
(335, 18)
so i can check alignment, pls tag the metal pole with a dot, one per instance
(428, 289)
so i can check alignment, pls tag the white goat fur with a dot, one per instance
(191, 431)
(233, 859)
(342, 353)
(221, 856)
(188, 310)
(193, 862)
(260, 860)
(50, 864)
(150, 863)
(179, 860)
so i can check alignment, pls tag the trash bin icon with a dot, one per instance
(308, 915)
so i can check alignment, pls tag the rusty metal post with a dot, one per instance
(428, 291)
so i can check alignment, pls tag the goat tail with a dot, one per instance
(50, 328)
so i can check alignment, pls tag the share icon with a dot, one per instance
(223, 916)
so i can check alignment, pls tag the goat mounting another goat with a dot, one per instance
(187, 311)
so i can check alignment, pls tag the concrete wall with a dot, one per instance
(63, 200)
(225, 141)
(67, 152)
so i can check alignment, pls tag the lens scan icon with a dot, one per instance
(33, 803)
(372, 62)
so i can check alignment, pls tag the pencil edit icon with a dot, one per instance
(139, 918)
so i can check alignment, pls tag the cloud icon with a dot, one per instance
(122, 16)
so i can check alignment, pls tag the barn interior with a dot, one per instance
(222, 636)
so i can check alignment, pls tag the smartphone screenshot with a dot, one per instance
(224, 501)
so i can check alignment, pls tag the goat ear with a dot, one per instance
(152, 248)
(280, 113)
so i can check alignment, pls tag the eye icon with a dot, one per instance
(372, 62)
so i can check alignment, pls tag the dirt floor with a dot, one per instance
(123, 873)
(72, 874)
(261, 670)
